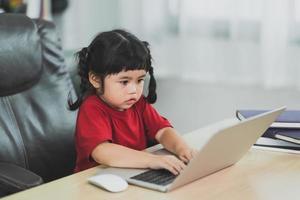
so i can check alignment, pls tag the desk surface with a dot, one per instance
(258, 175)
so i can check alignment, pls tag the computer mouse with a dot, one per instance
(109, 182)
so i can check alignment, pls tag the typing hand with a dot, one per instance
(168, 162)
(185, 153)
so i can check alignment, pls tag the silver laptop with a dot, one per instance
(222, 149)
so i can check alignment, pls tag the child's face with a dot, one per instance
(124, 89)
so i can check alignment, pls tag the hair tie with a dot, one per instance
(86, 53)
(150, 70)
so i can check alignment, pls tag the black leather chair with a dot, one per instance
(36, 127)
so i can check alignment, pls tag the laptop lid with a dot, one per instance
(222, 149)
(226, 147)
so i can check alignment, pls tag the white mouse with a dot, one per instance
(109, 182)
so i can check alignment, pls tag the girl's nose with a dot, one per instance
(132, 88)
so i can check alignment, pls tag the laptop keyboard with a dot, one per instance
(159, 177)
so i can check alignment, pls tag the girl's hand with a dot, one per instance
(168, 162)
(185, 153)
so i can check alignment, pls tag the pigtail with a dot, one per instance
(152, 96)
(83, 72)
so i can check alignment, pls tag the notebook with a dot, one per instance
(292, 135)
(271, 144)
(222, 149)
(288, 119)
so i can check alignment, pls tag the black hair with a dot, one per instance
(110, 53)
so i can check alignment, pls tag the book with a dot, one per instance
(286, 134)
(270, 133)
(289, 135)
(288, 119)
(276, 149)
(276, 144)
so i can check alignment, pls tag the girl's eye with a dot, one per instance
(124, 82)
(141, 80)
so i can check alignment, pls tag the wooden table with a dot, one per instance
(258, 175)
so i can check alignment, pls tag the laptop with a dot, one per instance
(222, 148)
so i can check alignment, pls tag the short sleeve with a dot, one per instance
(93, 127)
(152, 119)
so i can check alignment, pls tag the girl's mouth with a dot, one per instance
(131, 101)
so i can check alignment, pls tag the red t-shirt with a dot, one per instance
(97, 123)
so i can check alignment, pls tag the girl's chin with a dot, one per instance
(124, 107)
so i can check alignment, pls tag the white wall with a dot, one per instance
(83, 19)
(243, 42)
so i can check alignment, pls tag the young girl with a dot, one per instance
(115, 121)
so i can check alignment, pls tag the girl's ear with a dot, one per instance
(94, 80)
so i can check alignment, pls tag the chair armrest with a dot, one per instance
(14, 178)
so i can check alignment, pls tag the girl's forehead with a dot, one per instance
(130, 73)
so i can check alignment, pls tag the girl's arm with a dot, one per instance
(174, 143)
(115, 155)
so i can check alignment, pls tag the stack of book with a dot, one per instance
(283, 134)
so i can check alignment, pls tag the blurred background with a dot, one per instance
(211, 57)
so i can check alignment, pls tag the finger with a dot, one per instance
(182, 165)
(174, 163)
(169, 165)
(184, 159)
(179, 165)
(188, 155)
(171, 169)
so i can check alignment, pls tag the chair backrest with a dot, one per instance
(36, 127)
